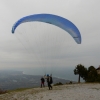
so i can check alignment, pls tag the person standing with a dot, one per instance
(49, 81)
(42, 82)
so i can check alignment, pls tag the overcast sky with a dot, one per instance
(43, 45)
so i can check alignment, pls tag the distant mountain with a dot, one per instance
(10, 72)
(10, 80)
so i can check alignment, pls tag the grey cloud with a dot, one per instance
(40, 43)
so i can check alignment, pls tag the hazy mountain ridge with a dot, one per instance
(16, 79)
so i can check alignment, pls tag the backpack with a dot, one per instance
(51, 81)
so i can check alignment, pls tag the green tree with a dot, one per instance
(81, 71)
(92, 74)
(98, 78)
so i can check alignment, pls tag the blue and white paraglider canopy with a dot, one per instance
(54, 20)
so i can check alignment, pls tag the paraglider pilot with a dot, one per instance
(49, 81)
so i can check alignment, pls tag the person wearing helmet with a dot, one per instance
(49, 81)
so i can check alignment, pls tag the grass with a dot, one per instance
(18, 90)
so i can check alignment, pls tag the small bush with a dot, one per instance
(70, 82)
(3, 91)
(58, 84)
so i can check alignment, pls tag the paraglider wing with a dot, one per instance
(52, 19)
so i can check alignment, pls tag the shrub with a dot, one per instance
(59, 83)
(3, 91)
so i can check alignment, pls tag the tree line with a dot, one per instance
(89, 74)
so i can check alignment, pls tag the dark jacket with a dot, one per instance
(42, 80)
